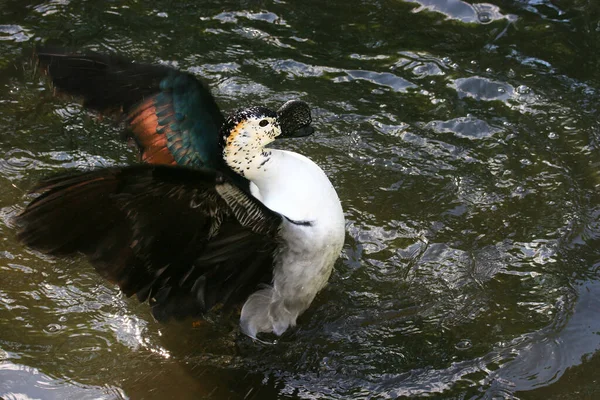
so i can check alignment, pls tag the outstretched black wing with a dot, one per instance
(183, 239)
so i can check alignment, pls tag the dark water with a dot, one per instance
(463, 140)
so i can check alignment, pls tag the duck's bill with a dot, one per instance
(306, 130)
(295, 119)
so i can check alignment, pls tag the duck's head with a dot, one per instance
(293, 119)
(247, 132)
(250, 128)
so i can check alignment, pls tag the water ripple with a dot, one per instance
(16, 163)
(385, 79)
(14, 33)
(478, 13)
(23, 382)
(481, 88)
(296, 69)
(466, 127)
(232, 17)
(51, 7)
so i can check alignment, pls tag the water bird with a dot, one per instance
(191, 229)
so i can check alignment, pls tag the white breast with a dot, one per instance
(297, 188)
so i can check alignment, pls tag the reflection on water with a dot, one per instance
(22, 382)
(478, 13)
(463, 140)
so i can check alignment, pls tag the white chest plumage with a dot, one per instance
(313, 235)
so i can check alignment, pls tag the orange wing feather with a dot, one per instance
(151, 143)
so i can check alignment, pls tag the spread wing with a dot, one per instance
(172, 116)
(183, 239)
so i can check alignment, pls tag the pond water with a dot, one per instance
(463, 139)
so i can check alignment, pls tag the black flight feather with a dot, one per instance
(183, 239)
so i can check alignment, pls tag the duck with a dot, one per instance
(256, 230)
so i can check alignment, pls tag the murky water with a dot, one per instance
(463, 140)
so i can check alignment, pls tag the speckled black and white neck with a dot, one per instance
(244, 135)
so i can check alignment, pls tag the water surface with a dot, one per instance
(462, 138)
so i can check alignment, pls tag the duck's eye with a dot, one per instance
(264, 122)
